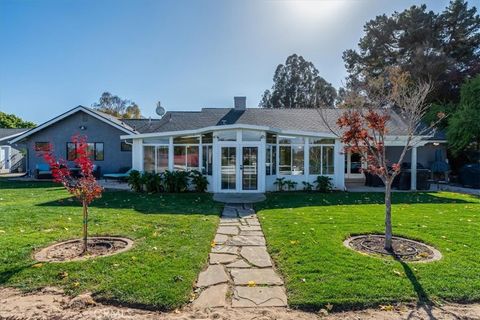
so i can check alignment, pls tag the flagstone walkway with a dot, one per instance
(240, 271)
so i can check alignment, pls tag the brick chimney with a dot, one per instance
(240, 103)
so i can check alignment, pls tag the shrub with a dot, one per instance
(291, 185)
(307, 186)
(199, 181)
(280, 183)
(176, 181)
(153, 182)
(135, 181)
(324, 184)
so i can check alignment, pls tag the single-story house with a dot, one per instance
(11, 156)
(243, 149)
(239, 149)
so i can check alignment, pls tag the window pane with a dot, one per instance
(99, 154)
(290, 140)
(192, 158)
(228, 168)
(327, 160)
(248, 135)
(161, 140)
(42, 146)
(90, 150)
(71, 151)
(285, 160)
(148, 159)
(125, 146)
(271, 138)
(207, 154)
(321, 141)
(298, 163)
(274, 160)
(179, 158)
(162, 159)
(207, 137)
(230, 135)
(268, 160)
(315, 160)
(187, 140)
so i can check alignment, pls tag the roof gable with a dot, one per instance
(108, 119)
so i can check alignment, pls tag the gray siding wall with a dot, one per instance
(96, 130)
(425, 154)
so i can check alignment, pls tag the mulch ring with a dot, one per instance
(71, 250)
(403, 249)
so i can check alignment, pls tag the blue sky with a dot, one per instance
(189, 54)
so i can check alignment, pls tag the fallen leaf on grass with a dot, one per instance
(38, 265)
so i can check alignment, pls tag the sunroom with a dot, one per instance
(242, 158)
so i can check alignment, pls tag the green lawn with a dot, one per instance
(305, 231)
(172, 236)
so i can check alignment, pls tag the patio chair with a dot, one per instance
(118, 176)
(43, 171)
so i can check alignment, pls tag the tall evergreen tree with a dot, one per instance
(297, 84)
(443, 48)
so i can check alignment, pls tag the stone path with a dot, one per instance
(240, 271)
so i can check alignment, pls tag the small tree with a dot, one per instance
(85, 188)
(363, 126)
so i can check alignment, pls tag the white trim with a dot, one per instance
(7, 159)
(69, 113)
(231, 127)
(5, 139)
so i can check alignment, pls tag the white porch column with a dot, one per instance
(137, 154)
(170, 154)
(414, 169)
(339, 166)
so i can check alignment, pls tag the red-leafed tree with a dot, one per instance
(84, 187)
(363, 126)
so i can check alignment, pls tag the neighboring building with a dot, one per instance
(246, 149)
(102, 131)
(11, 156)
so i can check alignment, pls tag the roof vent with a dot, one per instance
(240, 103)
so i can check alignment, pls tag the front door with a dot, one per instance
(353, 166)
(238, 168)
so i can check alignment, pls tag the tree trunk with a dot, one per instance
(85, 227)
(388, 216)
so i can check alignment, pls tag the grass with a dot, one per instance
(305, 231)
(172, 236)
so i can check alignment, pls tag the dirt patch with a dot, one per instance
(51, 303)
(71, 250)
(403, 249)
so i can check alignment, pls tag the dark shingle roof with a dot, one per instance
(7, 132)
(309, 120)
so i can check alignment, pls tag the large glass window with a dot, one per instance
(321, 157)
(291, 158)
(149, 158)
(186, 140)
(158, 140)
(207, 155)
(207, 137)
(230, 135)
(249, 135)
(316, 160)
(327, 160)
(290, 140)
(162, 159)
(185, 158)
(298, 160)
(271, 160)
(42, 146)
(285, 160)
(94, 149)
(271, 138)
